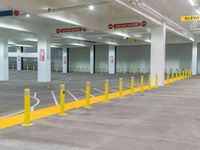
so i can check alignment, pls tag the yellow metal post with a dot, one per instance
(179, 75)
(142, 83)
(149, 82)
(62, 99)
(120, 87)
(132, 85)
(156, 81)
(172, 76)
(87, 95)
(106, 90)
(185, 73)
(168, 80)
(27, 109)
(176, 76)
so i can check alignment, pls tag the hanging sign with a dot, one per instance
(190, 18)
(127, 25)
(63, 30)
(7, 13)
(42, 54)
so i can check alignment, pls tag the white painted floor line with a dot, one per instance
(54, 98)
(98, 90)
(85, 92)
(22, 111)
(75, 98)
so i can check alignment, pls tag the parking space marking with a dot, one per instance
(98, 90)
(54, 98)
(85, 92)
(72, 95)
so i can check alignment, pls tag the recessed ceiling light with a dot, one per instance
(192, 2)
(91, 7)
(27, 15)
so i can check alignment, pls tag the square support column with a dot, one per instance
(65, 60)
(158, 41)
(92, 59)
(44, 59)
(19, 59)
(4, 69)
(194, 58)
(112, 59)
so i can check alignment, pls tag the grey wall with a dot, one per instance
(56, 59)
(101, 60)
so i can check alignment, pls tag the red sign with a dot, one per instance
(65, 60)
(63, 30)
(42, 54)
(16, 12)
(127, 25)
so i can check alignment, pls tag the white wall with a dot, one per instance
(178, 56)
(133, 57)
(101, 60)
(79, 59)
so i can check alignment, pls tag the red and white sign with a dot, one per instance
(42, 54)
(111, 59)
(64, 30)
(65, 60)
(127, 25)
(18, 58)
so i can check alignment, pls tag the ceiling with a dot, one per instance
(49, 15)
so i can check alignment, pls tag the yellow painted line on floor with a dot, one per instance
(46, 112)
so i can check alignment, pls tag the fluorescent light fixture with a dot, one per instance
(192, 2)
(31, 40)
(148, 40)
(55, 46)
(11, 43)
(137, 35)
(111, 43)
(22, 45)
(198, 11)
(191, 39)
(120, 34)
(91, 7)
(28, 15)
(74, 37)
(8, 26)
(77, 44)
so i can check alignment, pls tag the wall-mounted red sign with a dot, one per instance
(65, 60)
(42, 54)
(127, 25)
(63, 30)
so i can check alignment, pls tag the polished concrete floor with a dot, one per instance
(167, 118)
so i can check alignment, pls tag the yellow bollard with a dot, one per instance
(27, 109)
(132, 85)
(179, 78)
(87, 106)
(172, 76)
(168, 80)
(149, 81)
(106, 90)
(62, 100)
(176, 76)
(185, 74)
(120, 87)
(142, 83)
(156, 84)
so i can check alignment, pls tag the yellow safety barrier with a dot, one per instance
(87, 105)
(172, 76)
(62, 100)
(27, 109)
(156, 81)
(168, 80)
(149, 82)
(120, 87)
(132, 85)
(142, 83)
(176, 76)
(106, 90)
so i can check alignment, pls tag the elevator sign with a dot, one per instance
(190, 18)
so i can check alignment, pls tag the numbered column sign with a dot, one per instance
(42, 54)
(111, 59)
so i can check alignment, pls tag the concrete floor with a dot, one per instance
(164, 119)
(11, 92)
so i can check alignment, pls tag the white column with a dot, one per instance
(19, 59)
(44, 59)
(158, 41)
(92, 59)
(194, 58)
(111, 57)
(4, 71)
(65, 60)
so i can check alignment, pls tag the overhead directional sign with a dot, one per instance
(7, 13)
(63, 30)
(190, 18)
(127, 25)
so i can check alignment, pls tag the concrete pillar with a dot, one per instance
(112, 59)
(44, 59)
(158, 41)
(4, 70)
(19, 59)
(92, 59)
(194, 58)
(65, 60)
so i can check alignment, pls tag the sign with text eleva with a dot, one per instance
(190, 18)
